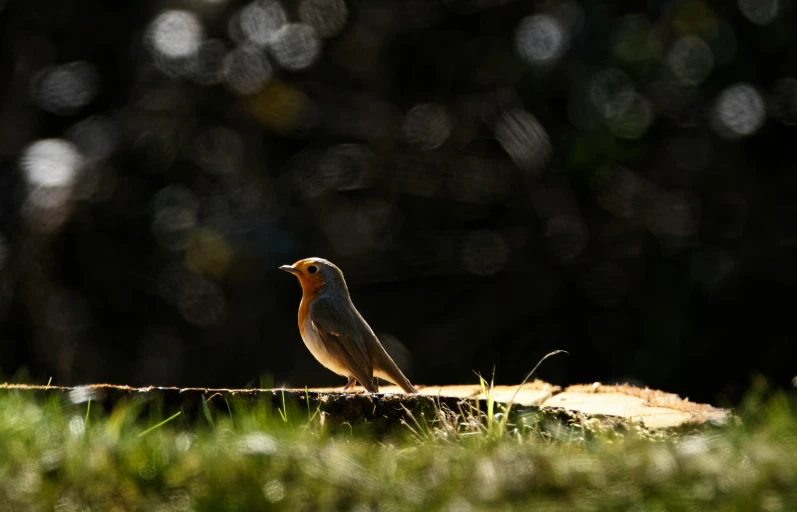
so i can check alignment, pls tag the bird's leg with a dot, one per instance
(352, 382)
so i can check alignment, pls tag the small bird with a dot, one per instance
(335, 332)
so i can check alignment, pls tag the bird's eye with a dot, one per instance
(312, 269)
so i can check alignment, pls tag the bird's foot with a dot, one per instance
(352, 382)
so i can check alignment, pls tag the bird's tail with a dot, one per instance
(371, 386)
(387, 369)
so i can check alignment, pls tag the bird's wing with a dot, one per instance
(342, 339)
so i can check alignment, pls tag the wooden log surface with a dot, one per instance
(613, 404)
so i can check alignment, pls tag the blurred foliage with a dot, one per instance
(497, 180)
(61, 453)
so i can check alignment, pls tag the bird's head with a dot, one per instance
(315, 273)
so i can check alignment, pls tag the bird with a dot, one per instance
(336, 333)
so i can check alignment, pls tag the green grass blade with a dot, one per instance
(283, 412)
(514, 395)
(206, 412)
(159, 425)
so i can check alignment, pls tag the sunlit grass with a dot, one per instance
(55, 454)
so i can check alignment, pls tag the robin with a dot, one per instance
(335, 332)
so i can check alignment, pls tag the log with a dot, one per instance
(541, 403)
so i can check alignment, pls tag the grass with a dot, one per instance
(496, 423)
(55, 454)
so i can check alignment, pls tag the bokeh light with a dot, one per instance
(260, 21)
(540, 39)
(427, 126)
(83, 394)
(67, 88)
(611, 92)
(208, 254)
(295, 46)
(284, 109)
(206, 66)
(176, 34)
(347, 167)
(327, 17)
(274, 491)
(739, 111)
(690, 59)
(51, 163)
(246, 70)
(760, 12)
(524, 139)
(175, 211)
(96, 137)
(630, 115)
(568, 13)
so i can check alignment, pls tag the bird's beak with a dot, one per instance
(289, 268)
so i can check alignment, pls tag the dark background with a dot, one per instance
(496, 179)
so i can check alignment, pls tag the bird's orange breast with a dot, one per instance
(310, 291)
(304, 311)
